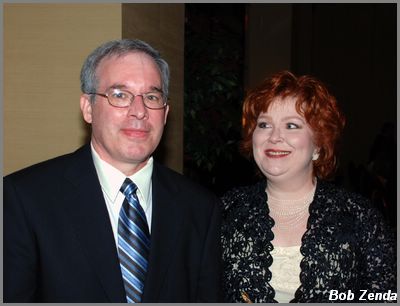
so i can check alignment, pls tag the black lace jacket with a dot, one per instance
(346, 246)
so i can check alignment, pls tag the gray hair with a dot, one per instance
(89, 81)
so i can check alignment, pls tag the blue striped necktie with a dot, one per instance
(133, 243)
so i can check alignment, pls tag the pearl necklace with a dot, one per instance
(289, 213)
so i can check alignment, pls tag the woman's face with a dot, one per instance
(283, 143)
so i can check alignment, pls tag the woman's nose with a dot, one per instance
(275, 136)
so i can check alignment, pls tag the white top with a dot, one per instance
(285, 270)
(111, 180)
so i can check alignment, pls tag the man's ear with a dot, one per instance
(86, 108)
(166, 114)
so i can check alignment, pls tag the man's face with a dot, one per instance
(125, 137)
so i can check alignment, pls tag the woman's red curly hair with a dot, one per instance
(313, 101)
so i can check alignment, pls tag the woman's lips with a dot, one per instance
(276, 153)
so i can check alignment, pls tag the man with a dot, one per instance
(73, 234)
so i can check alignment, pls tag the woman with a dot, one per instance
(293, 236)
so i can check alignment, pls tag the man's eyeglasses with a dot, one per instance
(123, 99)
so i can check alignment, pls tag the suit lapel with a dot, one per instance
(85, 204)
(166, 225)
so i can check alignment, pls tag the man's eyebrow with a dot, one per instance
(122, 86)
(118, 86)
(156, 89)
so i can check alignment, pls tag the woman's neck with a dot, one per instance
(290, 190)
(288, 206)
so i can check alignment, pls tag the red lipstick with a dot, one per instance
(276, 153)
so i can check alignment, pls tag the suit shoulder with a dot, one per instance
(46, 170)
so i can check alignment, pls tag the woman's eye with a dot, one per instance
(263, 125)
(292, 126)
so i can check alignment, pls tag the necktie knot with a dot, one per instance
(128, 187)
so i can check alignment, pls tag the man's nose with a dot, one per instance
(137, 107)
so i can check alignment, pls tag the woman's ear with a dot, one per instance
(315, 154)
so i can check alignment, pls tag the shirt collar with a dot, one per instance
(111, 179)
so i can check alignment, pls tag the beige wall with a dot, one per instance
(44, 47)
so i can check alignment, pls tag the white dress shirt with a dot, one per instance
(111, 180)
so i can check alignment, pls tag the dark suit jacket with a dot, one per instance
(59, 245)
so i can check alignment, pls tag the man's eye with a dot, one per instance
(153, 97)
(119, 95)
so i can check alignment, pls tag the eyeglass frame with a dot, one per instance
(104, 95)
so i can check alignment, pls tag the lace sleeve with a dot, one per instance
(246, 243)
(378, 244)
